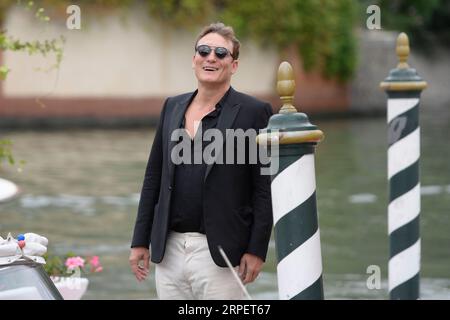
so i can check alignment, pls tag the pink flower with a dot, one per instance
(74, 262)
(95, 261)
(98, 269)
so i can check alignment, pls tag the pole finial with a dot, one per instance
(403, 78)
(402, 51)
(286, 87)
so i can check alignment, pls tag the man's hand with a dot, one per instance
(139, 262)
(250, 267)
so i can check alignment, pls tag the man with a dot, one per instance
(187, 210)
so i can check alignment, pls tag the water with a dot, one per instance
(80, 188)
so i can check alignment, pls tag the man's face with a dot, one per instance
(211, 70)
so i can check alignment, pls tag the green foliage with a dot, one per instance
(45, 47)
(60, 266)
(422, 20)
(341, 62)
(5, 152)
(33, 47)
(181, 13)
(54, 265)
(408, 14)
(321, 30)
(6, 155)
(4, 70)
(10, 43)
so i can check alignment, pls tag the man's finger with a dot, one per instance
(248, 276)
(255, 275)
(136, 268)
(242, 267)
(139, 277)
(146, 262)
(140, 274)
(142, 270)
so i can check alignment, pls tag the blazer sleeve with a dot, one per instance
(261, 197)
(150, 189)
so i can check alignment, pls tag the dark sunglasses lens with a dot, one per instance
(203, 50)
(221, 52)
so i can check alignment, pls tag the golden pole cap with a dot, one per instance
(403, 78)
(402, 51)
(286, 87)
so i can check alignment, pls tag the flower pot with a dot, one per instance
(71, 288)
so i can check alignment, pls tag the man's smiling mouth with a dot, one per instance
(210, 68)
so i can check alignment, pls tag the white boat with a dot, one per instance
(22, 276)
(8, 190)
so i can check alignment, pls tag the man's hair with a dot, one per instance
(225, 31)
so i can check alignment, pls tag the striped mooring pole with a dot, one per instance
(293, 188)
(403, 87)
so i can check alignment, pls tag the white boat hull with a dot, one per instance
(7, 190)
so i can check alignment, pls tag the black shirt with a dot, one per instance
(186, 209)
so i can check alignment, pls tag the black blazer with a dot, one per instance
(237, 203)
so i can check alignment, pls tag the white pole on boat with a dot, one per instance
(241, 285)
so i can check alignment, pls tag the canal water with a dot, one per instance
(80, 188)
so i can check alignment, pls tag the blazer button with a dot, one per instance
(170, 188)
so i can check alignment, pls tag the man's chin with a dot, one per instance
(209, 78)
(210, 81)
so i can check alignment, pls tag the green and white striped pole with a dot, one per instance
(297, 236)
(403, 87)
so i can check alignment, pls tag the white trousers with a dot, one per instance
(188, 272)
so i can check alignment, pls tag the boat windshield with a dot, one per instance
(26, 282)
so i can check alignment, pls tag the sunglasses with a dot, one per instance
(220, 52)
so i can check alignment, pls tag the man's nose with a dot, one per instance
(211, 56)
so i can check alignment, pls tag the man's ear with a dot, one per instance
(193, 64)
(234, 66)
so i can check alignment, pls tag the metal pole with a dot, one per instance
(403, 87)
(297, 236)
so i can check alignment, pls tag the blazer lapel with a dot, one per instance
(226, 120)
(174, 124)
